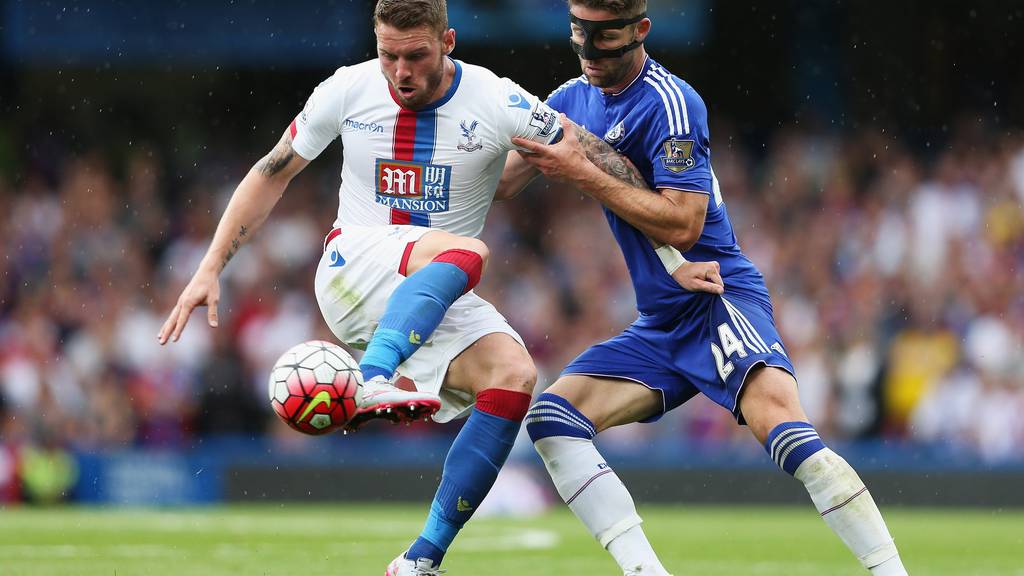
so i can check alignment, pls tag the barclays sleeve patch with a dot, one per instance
(678, 155)
(544, 119)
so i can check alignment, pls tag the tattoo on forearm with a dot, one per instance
(609, 160)
(278, 158)
(236, 243)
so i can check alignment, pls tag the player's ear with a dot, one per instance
(643, 28)
(448, 40)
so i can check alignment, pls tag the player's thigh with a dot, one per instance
(437, 241)
(768, 399)
(726, 345)
(496, 360)
(608, 402)
(357, 273)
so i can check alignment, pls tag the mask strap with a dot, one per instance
(588, 50)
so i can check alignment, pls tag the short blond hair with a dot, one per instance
(406, 14)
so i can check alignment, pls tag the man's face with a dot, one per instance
(413, 62)
(604, 72)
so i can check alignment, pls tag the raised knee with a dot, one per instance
(468, 254)
(474, 245)
(776, 398)
(509, 392)
(771, 390)
(515, 376)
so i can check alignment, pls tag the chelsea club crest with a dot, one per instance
(615, 134)
(469, 141)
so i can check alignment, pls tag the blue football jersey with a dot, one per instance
(660, 123)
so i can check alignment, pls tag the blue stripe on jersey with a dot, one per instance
(423, 151)
(426, 132)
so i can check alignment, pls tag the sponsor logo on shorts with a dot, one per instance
(678, 155)
(413, 186)
(777, 346)
(337, 260)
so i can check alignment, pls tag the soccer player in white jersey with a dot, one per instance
(425, 138)
(725, 346)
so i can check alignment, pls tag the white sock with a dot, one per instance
(891, 567)
(633, 552)
(847, 507)
(600, 500)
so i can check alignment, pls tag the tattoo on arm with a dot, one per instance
(236, 243)
(609, 160)
(278, 158)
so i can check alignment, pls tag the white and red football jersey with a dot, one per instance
(436, 167)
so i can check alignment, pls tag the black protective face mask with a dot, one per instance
(587, 50)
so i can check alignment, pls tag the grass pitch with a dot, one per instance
(327, 540)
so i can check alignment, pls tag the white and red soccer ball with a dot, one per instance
(314, 387)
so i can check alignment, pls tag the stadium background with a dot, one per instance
(872, 160)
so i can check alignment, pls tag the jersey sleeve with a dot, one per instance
(319, 123)
(527, 117)
(678, 142)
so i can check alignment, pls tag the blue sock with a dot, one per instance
(790, 443)
(413, 312)
(473, 461)
(552, 415)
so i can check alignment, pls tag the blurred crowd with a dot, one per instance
(897, 280)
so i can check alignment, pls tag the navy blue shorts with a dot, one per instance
(710, 349)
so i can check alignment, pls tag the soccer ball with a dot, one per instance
(314, 387)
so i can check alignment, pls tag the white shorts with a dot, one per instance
(359, 270)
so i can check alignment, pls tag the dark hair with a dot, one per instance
(405, 14)
(622, 8)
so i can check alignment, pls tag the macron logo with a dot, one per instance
(372, 127)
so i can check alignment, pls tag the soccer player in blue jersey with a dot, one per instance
(397, 274)
(683, 343)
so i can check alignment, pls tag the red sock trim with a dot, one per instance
(507, 404)
(403, 267)
(470, 262)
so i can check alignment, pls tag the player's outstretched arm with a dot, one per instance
(668, 216)
(249, 207)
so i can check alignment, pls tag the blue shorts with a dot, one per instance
(709, 349)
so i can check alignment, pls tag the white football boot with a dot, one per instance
(402, 566)
(381, 399)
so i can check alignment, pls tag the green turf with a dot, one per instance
(356, 540)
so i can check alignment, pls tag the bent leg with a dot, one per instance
(500, 373)
(771, 406)
(562, 424)
(440, 268)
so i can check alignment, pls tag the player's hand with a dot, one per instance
(558, 161)
(203, 289)
(700, 277)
